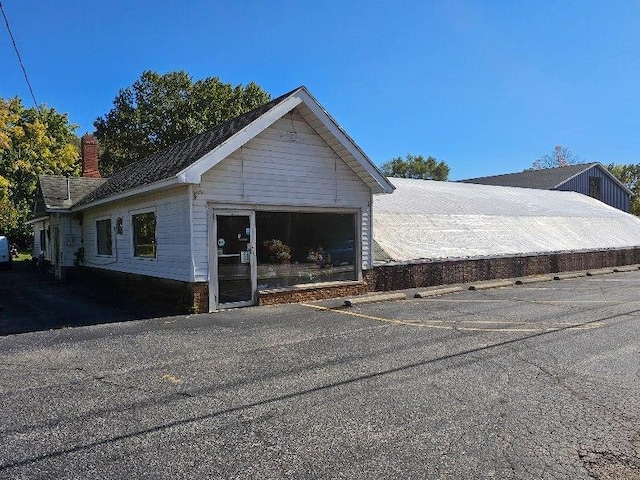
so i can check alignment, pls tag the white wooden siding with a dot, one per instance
(287, 165)
(173, 255)
(37, 247)
(70, 239)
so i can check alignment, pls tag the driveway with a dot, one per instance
(527, 382)
(30, 301)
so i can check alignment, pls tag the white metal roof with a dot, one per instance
(425, 219)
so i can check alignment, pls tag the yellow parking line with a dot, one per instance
(438, 324)
(371, 317)
(505, 300)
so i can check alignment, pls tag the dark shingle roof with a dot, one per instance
(169, 162)
(544, 179)
(59, 191)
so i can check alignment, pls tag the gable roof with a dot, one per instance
(60, 192)
(186, 161)
(430, 220)
(545, 179)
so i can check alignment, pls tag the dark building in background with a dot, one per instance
(591, 179)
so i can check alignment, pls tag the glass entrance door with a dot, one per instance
(235, 259)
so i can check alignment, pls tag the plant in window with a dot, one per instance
(319, 256)
(278, 251)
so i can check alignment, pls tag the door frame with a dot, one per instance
(213, 256)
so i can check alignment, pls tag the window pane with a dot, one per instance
(103, 228)
(595, 187)
(299, 248)
(144, 234)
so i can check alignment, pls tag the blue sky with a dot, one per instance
(487, 86)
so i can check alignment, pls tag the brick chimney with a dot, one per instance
(89, 152)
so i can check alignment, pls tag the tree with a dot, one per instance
(32, 142)
(158, 111)
(559, 157)
(629, 174)
(416, 166)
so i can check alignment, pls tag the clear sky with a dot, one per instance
(487, 86)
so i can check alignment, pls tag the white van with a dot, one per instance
(5, 253)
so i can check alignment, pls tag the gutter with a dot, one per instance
(161, 185)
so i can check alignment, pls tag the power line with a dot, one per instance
(15, 47)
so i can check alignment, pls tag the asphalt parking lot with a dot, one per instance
(31, 301)
(527, 382)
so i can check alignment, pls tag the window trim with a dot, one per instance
(595, 181)
(97, 237)
(132, 215)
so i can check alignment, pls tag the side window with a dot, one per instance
(595, 187)
(144, 234)
(103, 232)
(43, 241)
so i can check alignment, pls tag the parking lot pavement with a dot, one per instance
(31, 301)
(533, 381)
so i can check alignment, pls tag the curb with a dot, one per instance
(487, 285)
(536, 279)
(437, 291)
(565, 276)
(599, 271)
(349, 302)
(629, 268)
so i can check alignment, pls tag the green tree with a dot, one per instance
(416, 166)
(629, 174)
(158, 111)
(32, 142)
(559, 157)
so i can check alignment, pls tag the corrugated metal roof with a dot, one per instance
(425, 219)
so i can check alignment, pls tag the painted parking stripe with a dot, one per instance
(442, 324)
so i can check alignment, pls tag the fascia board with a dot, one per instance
(613, 177)
(35, 220)
(587, 167)
(193, 173)
(337, 131)
(130, 193)
(603, 169)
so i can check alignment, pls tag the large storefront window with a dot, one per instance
(298, 248)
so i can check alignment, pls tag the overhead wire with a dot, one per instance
(15, 47)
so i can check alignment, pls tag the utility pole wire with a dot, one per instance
(15, 47)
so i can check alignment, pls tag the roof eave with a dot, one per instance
(587, 167)
(193, 173)
(161, 185)
(605, 170)
(37, 219)
(385, 186)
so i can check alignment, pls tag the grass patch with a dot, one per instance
(23, 257)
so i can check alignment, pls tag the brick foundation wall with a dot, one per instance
(172, 296)
(428, 274)
(308, 294)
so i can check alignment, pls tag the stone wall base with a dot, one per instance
(172, 296)
(432, 273)
(161, 294)
(306, 294)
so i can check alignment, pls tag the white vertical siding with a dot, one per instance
(288, 164)
(37, 247)
(70, 239)
(173, 259)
